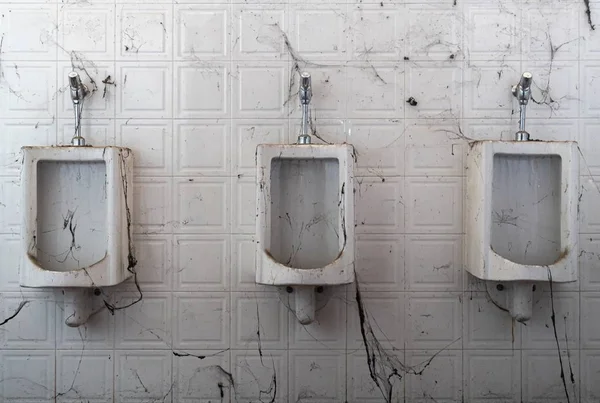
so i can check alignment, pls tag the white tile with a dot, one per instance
(483, 99)
(539, 332)
(317, 375)
(590, 89)
(154, 254)
(33, 328)
(590, 367)
(145, 90)
(377, 33)
(492, 376)
(152, 205)
(28, 91)
(434, 262)
(376, 90)
(485, 325)
(151, 142)
(257, 32)
(243, 264)
(589, 218)
(11, 254)
(589, 262)
(201, 380)
(556, 26)
(210, 94)
(385, 313)
(434, 205)
(28, 375)
(10, 211)
(201, 262)
(590, 302)
(209, 138)
(319, 32)
(360, 385)
(87, 31)
(555, 89)
(541, 376)
(258, 321)
(260, 377)
(433, 148)
(434, 32)
(379, 263)
(260, 90)
(144, 34)
(244, 205)
(29, 31)
(203, 32)
(487, 129)
(492, 31)
(436, 88)
(441, 381)
(379, 147)
(379, 205)
(328, 331)
(144, 325)
(143, 375)
(247, 134)
(201, 320)
(590, 49)
(434, 321)
(202, 205)
(85, 375)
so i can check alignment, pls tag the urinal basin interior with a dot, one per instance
(526, 208)
(305, 213)
(71, 214)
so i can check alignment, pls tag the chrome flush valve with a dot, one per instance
(78, 94)
(305, 95)
(522, 91)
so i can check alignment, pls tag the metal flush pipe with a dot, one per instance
(78, 93)
(305, 95)
(522, 91)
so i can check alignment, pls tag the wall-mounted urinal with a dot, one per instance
(305, 217)
(521, 212)
(76, 224)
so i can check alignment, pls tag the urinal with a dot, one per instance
(521, 214)
(76, 224)
(305, 215)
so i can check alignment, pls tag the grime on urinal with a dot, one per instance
(76, 224)
(521, 211)
(305, 217)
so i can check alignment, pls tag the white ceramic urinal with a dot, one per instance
(76, 230)
(305, 220)
(521, 215)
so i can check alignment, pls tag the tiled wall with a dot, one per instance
(192, 87)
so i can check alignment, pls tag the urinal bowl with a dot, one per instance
(76, 228)
(305, 219)
(521, 215)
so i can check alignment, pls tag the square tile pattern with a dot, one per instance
(192, 87)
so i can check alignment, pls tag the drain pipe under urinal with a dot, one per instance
(520, 293)
(77, 306)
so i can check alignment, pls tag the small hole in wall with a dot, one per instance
(289, 289)
(320, 289)
(97, 291)
(533, 288)
(500, 287)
